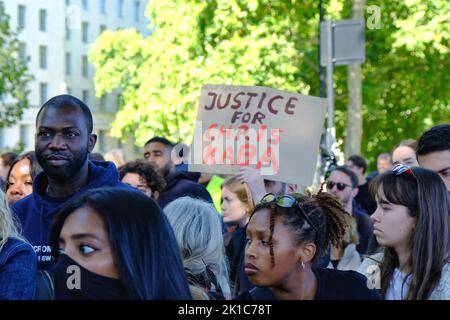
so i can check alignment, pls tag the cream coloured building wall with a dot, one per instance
(65, 39)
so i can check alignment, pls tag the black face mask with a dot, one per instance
(73, 282)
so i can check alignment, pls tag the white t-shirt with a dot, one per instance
(395, 290)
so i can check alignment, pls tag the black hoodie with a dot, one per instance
(181, 184)
(36, 212)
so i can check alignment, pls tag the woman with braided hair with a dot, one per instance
(285, 235)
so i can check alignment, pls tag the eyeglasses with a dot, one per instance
(286, 201)
(340, 186)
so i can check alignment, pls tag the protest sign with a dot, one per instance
(275, 131)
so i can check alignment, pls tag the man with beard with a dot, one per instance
(178, 183)
(343, 183)
(64, 140)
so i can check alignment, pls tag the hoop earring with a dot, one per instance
(302, 265)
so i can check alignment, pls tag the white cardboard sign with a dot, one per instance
(275, 131)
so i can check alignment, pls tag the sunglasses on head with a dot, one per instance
(286, 201)
(399, 169)
(340, 186)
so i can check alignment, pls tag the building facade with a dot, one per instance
(55, 36)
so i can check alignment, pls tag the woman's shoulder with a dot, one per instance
(442, 291)
(347, 285)
(340, 276)
(14, 246)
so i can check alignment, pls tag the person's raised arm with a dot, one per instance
(254, 180)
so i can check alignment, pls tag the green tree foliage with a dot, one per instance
(275, 43)
(271, 43)
(14, 74)
(406, 84)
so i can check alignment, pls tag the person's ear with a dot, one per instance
(91, 142)
(155, 195)
(355, 192)
(306, 252)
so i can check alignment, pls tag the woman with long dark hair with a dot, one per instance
(122, 246)
(412, 223)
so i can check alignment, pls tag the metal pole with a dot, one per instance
(321, 69)
(330, 90)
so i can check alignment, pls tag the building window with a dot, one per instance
(25, 135)
(68, 64)
(103, 6)
(84, 4)
(85, 96)
(84, 66)
(137, 10)
(23, 51)
(119, 8)
(68, 33)
(43, 20)
(21, 14)
(103, 103)
(43, 57)
(43, 93)
(85, 31)
(102, 28)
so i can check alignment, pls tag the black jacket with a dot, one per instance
(331, 285)
(236, 254)
(37, 211)
(181, 184)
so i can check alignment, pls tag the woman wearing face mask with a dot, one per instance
(17, 259)
(116, 244)
(284, 236)
(19, 181)
(412, 223)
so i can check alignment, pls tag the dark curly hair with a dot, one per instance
(324, 211)
(152, 177)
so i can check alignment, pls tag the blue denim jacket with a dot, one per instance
(17, 271)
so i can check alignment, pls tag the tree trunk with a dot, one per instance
(354, 84)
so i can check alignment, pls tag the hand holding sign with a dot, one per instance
(254, 180)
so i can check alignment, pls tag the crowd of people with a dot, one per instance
(79, 225)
